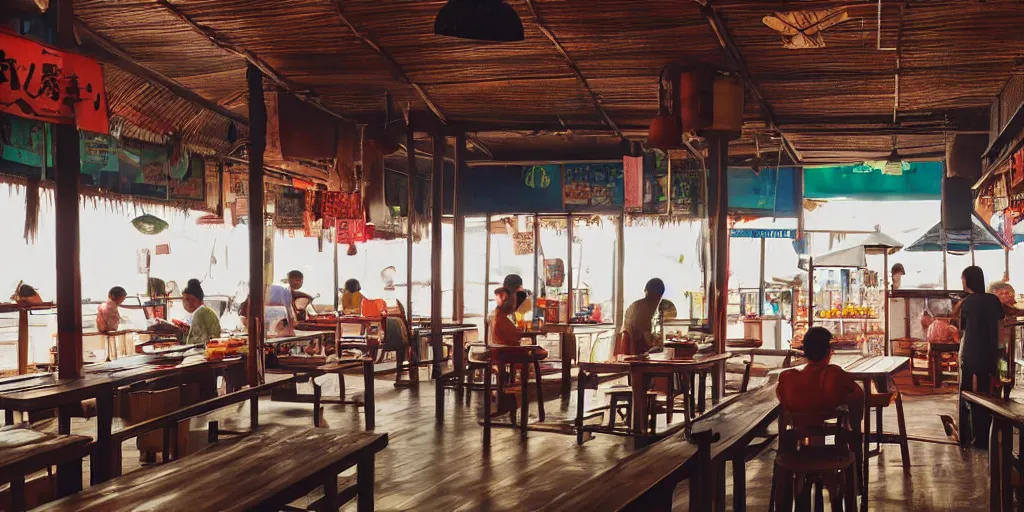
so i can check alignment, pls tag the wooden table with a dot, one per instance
(866, 370)
(66, 396)
(264, 470)
(1006, 415)
(567, 339)
(24, 451)
(639, 371)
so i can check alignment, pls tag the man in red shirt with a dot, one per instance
(820, 386)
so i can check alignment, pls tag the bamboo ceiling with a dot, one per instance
(527, 100)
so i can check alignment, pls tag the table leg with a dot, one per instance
(867, 449)
(717, 380)
(639, 406)
(687, 401)
(701, 400)
(63, 421)
(993, 464)
(1006, 463)
(369, 407)
(487, 405)
(670, 398)
(580, 386)
(364, 483)
(563, 351)
(459, 354)
(524, 398)
(101, 458)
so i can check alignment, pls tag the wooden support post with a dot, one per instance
(436, 211)
(459, 273)
(410, 213)
(257, 145)
(760, 286)
(487, 274)
(69, 277)
(22, 342)
(620, 261)
(718, 159)
(885, 297)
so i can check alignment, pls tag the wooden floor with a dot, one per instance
(430, 467)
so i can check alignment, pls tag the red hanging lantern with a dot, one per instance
(665, 131)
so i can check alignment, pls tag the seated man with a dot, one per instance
(502, 330)
(639, 319)
(820, 386)
(295, 282)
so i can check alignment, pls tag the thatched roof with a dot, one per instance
(525, 99)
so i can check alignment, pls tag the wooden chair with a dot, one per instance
(878, 402)
(621, 397)
(506, 360)
(787, 362)
(807, 461)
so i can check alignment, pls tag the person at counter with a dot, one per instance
(295, 282)
(108, 318)
(980, 317)
(205, 324)
(352, 298)
(897, 276)
(1007, 297)
(639, 319)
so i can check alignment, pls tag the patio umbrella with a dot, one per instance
(981, 237)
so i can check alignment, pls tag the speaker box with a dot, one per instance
(963, 156)
(957, 203)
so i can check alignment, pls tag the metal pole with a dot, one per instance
(536, 256)
(410, 214)
(569, 272)
(620, 259)
(337, 276)
(885, 270)
(459, 273)
(760, 286)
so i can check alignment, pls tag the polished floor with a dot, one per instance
(444, 467)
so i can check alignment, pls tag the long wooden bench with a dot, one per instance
(646, 480)
(169, 422)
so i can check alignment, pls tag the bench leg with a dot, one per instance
(100, 466)
(18, 493)
(330, 501)
(316, 404)
(1006, 463)
(364, 483)
(739, 483)
(670, 399)
(368, 400)
(703, 391)
(994, 502)
(341, 385)
(69, 478)
(254, 411)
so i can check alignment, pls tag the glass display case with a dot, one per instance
(850, 303)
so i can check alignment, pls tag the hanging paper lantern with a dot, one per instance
(149, 224)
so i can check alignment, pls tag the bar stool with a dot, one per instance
(621, 404)
(806, 462)
(507, 359)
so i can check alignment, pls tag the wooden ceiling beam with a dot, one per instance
(393, 66)
(106, 51)
(537, 20)
(304, 93)
(739, 65)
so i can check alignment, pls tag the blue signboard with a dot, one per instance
(511, 189)
(763, 233)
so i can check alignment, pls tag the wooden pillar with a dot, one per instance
(459, 272)
(69, 277)
(885, 297)
(760, 286)
(620, 261)
(257, 145)
(487, 274)
(569, 272)
(436, 211)
(718, 161)
(537, 255)
(337, 275)
(410, 214)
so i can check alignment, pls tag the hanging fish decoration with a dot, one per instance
(149, 224)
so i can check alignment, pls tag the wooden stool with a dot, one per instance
(622, 399)
(506, 359)
(804, 462)
(878, 402)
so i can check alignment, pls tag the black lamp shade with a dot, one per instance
(479, 20)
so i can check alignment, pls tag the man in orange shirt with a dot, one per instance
(820, 386)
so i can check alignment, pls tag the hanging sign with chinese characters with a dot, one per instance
(46, 84)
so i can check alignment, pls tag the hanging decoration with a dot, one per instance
(148, 224)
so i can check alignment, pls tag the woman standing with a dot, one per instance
(980, 315)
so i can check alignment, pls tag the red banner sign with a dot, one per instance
(351, 231)
(46, 84)
(633, 182)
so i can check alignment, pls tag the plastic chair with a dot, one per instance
(374, 308)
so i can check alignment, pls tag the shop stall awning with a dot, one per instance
(981, 236)
(855, 256)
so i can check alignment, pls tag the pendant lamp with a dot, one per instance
(479, 20)
(894, 163)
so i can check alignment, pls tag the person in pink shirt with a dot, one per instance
(108, 318)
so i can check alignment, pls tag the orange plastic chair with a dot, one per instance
(623, 344)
